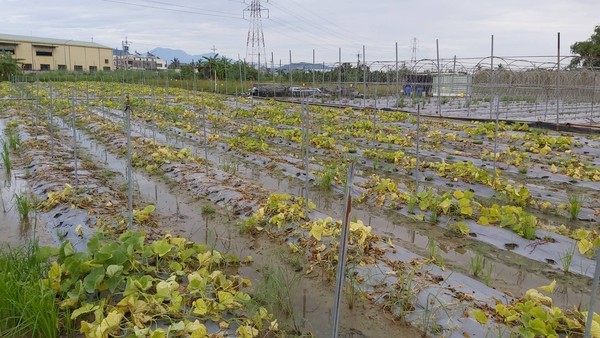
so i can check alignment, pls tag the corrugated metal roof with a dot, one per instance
(49, 41)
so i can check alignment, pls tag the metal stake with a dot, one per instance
(590, 316)
(341, 268)
(129, 181)
(74, 138)
(205, 137)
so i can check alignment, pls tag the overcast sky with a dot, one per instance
(463, 28)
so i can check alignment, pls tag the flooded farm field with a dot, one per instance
(195, 214)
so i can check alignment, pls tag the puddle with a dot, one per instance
(14, 231)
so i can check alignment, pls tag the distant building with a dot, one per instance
(44, 54)
(148, 61)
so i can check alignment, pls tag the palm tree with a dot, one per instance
(208, 66)
(8, 66)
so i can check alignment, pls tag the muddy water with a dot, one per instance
(13, 230)
(311, 298)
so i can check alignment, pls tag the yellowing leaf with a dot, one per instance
(458, 194)
(85, 308)
(595, 331)
(316, 231)
(548, 288)
(293, 247)
(584, 246)
(246, 331)
(79, 230)
(197, 329)
(54, 275)
(554, 170)
(200, 307)
(479, 316)
(111, 322)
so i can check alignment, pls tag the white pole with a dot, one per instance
(74, 138)
(129, 166)
(341, 267)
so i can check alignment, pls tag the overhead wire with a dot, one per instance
(315, 26)
(182, 6)
(174, 10)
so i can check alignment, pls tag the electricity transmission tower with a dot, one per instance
(255, 43)
(413, 56)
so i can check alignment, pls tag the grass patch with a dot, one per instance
(208, 210)
(24, 206)
(5, 154)
(575, 203)
(275, 290)
(567, 258)
(27, 309)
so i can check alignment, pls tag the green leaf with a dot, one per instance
(66, 250)
(161, 247)
(538, 326)
(179, 326)
(149, 209)
(114, 282)
(93, 280)
(45, 252)
(479, 316)
(112, 270)
(159, 333)
(526, 332)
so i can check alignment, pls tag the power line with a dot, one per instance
(312, 25)
(174, 10)
(182, 6)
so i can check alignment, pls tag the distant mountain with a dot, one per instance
(168, 54)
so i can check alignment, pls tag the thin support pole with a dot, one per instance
(592, 305)
(397, 77)
(496, 139)
(558, 80)
(306, 149)
(313, 70)
(365, 81)
(417, 162)
(74, 138)
(290, 69)
(593, 96)
(340, 77)
(205, 137)
(51, 121)
(491, 77)
(129, 166)
(439, 79)
(341, 267)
